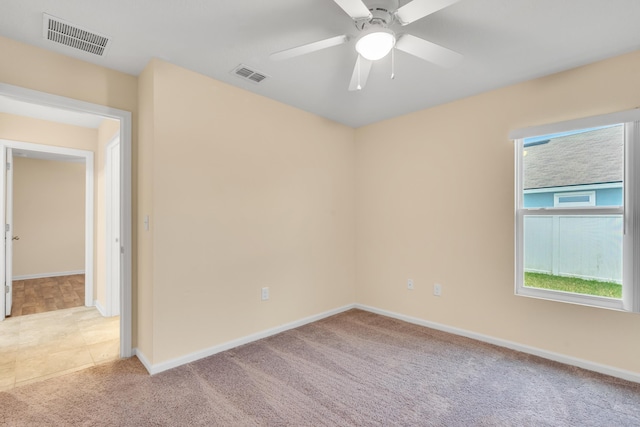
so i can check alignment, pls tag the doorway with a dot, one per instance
(48, 199)
(9, 148)
(124, 174)
(45, 211)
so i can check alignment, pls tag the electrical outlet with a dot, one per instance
(437, 289)
(265, 294)
(410, 284)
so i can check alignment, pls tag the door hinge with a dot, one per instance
(6, 289)
(8, 166)
(6, 227)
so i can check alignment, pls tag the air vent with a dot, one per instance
(58, 31)
(249, 74)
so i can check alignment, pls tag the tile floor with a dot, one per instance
(45, 345)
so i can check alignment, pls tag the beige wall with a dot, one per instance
(27, 129)
(38, 69)
(246, 193)
(48, 209)
(435, 203)
(146, 125)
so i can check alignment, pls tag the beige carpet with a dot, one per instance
(353, 369)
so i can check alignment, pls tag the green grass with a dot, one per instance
(573, 285)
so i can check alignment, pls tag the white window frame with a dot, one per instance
(557, 203)
(630, 212)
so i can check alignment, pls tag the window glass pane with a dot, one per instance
(575, 162)
(574, 253)
(574, 199)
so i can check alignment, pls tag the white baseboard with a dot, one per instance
(100, 308)
(557, 357)
(192, 357)
(43, 275)
(143, 359)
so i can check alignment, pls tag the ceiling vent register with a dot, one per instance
(247, 73)
(59, 31)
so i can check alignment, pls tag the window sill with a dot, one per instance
(565, 297)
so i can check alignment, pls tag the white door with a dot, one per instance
(112, 168)
(8, 254)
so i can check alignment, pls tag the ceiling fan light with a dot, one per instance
(376, 45)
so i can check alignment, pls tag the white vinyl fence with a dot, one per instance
(588, 247)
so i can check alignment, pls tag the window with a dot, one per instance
(575, 197)
(578, 198)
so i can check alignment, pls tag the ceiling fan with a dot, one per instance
(375, 23)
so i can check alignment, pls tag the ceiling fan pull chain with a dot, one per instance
(393, 64)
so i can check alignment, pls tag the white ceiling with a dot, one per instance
(503, 42)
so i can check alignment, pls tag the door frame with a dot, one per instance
(56, 101)
(7, 187)
(112, 307)
(87, 157)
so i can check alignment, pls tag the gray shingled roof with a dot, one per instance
(593, 157)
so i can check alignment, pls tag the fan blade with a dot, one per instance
(308, 48)
(418, 9)
(356, 9)
(360, 73)
(428, 51)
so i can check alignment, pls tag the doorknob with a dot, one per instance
(16, 238)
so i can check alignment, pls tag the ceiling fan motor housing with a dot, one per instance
(382, 14)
